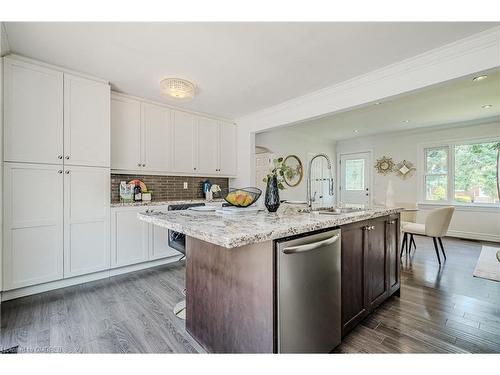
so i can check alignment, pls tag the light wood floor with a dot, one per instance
(441, 310)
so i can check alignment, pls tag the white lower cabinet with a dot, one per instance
(33, 224)
(86, 220)
(130, 238)
(134, 241)
(158, 247)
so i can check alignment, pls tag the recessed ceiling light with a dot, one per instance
(177, 88)
(377, 103)
(487, 106)
(406, 121)
(479, 78)
(356, 131)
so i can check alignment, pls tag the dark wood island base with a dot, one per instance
(231, 292)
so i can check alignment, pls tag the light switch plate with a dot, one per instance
(185, 186)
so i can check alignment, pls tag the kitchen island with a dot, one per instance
(231, 270)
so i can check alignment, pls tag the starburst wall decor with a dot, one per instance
(404, 169)
(384, 165)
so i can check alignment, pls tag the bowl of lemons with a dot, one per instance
(243, 197)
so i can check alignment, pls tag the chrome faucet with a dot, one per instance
(311, 199)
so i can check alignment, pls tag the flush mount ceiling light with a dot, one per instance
(177, 88)
(479, 78)
(487, 106)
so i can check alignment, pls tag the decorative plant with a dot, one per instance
(280, 170)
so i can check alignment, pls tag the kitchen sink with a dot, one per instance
(340, 211)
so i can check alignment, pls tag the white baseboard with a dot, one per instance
(35, 289)
(474, 235)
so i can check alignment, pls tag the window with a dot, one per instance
(436, 174)
(475, 178)
(355, 174)
(462, 173)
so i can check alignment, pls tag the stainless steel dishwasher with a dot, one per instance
(308, 293)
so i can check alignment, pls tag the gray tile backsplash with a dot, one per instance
(167, 187)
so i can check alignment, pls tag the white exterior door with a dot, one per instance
(125, 133)
(33, 98)
(86, 220)
(184, 141)
(208, 146)
(86, 122)
(227, 149)
(129, 241)
(355, 177)
(33, 224)
(157, 138)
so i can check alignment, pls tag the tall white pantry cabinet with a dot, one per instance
(56, 174)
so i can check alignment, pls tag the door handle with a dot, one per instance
(310, 246)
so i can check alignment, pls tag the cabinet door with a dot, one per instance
(354, 287)
(208, 146)
(227, 149)
(183, 134)
(86, 122)
(157, 138)
(393, 255)
(33, 129)
(377, 260)
(33, 224)
(159, 244)
(129, 241)
(125, 133)
(86, 220)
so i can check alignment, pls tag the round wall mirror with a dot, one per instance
(293, 176)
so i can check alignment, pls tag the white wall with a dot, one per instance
(283, 142)
(465, 57)
(476, 223)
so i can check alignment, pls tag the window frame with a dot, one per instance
(447, 174)
(450, 145)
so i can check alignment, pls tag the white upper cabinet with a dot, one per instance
(86, 122)
(207, 151)
(157, 146)
(33, 98)
(33, 224)
(227, 147)
(125, 133)
(86, 220)
(52, 117)
(148, 137)
(184, 141)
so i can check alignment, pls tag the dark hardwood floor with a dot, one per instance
(441, 310)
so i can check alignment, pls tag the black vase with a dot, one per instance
(272, 200)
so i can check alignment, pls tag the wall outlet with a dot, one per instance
(185, 185)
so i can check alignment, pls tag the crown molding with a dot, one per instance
(473, 54)
(421, 130)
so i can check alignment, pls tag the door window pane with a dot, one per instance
(355, 174)
(436, 161)
(436, 187)
(476, 173)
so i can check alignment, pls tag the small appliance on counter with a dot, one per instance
(134, 191)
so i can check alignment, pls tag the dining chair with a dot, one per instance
(436, 225)
(406, 218)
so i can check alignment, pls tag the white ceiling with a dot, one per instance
(239, 67)
(451, 103)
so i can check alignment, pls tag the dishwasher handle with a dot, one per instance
(310, 246)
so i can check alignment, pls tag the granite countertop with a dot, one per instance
(166, 203)
(233, 230)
